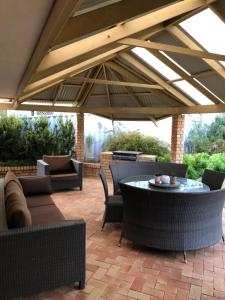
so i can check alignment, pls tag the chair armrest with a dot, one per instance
(40, 257)
(42, 168)
(78, 166)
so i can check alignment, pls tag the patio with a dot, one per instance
(133, 272)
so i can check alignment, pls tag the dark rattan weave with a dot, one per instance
(213, 179)
(43, 169)
(172, 221)
(41, 257)
(113, 204)
(122, 170)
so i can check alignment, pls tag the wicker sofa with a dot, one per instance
(44, 253)
(172, 221)
(64, 171)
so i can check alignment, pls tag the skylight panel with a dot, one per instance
(167, 72)
(157, 64)
(191, 91)
(208, 30)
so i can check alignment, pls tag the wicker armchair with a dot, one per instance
(172, 221)
(213, 179)
(122, 170)
(65, 172)
(113, 204)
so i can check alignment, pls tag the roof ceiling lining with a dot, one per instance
(68, 90)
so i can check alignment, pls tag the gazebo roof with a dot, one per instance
(121, 59)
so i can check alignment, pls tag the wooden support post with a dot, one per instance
(177, 138)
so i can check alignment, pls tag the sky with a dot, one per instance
(162, 131)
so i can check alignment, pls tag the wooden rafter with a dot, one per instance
(171, 48)
(120, 83)
(186, 76)
(59, 89)
(133, 96)
(60, 13)
(82, 89)
(87, 92)
(136, 63)
(105, 17)
(68, 54)
(130, 75)
(107, 89)
(197, 109)
(185, 39)
(54, 79)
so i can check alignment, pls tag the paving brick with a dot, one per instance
(134, 272)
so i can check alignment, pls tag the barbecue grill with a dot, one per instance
(126, 155)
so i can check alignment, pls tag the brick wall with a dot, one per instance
(80, 137)
(106, 159)
(177, 139)
(91, 169)
(19, 170)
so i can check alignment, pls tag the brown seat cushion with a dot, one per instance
(39, 200)
(60, 177)
(17, 213)
(46, 214)
(36, 185)
(58, 163)
(10, 176)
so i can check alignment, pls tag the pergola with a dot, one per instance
(120, 59)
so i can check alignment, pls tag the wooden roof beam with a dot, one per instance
(152, 75)
(61, 12)
(68, 54)
(104, 17)
(54, 79)
(120, 83)
(186, 76)
(171, 48)
(189, 42)
(133, 96)
(120, 69)
(197, 109)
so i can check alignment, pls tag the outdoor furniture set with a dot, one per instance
(64, 171)
(182, 219)
(39, 249)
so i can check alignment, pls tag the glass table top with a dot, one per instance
(186, 185)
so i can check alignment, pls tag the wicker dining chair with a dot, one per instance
(113, 204)
(213, 179)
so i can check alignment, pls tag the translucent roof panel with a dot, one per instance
(208, 30)
(155, 63)
(167, 72)
(193, 92)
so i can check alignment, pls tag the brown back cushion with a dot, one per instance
(10, 176)
(58, 163)
(34, 185)
(17, 213)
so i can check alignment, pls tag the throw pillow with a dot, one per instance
(17, 213)
(10, 176)
(36, 185)
(58, 163)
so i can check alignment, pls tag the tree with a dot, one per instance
(198, 139)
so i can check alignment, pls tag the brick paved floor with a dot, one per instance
(133, 272)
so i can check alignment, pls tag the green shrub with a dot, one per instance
(26, 140)
(198, 162)
(217, 162)
(135, 141)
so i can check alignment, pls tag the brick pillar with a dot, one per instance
(80, 137)
(177, 138)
